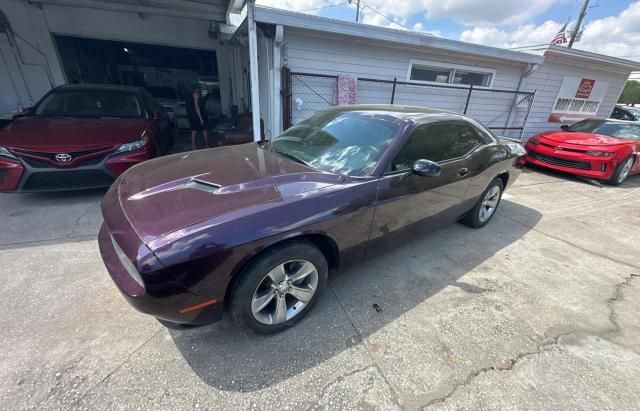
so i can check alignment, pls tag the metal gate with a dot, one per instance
(503, 111)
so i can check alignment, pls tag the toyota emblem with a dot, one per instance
(63, 158)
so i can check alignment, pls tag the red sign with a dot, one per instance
(585, 88)
(565, 118)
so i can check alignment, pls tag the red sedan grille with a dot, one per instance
(561, 162)
(37, 159)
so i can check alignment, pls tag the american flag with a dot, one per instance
(560, 38)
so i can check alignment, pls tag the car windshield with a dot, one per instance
(349, 143)
(608, 128)
(634, 112)
(89, 103)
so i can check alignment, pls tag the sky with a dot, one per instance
(612, 26)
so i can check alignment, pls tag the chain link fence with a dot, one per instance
(503, 111)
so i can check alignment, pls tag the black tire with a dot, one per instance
(617, 178)
(255, 275)
(473, 218)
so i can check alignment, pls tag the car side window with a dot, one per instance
(437, 142)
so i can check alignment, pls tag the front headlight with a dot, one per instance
(600, 153)
(6, 153)
(131, 146)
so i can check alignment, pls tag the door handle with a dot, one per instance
(463, 172)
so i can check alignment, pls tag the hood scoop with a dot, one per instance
(202, 186)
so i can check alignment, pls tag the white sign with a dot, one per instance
(578, 98)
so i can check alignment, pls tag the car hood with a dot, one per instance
(47, 133)
(582, 139)
(166, 194)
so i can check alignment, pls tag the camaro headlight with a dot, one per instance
(600, 153)
(6, 153)
(131, 146)
(534, 141)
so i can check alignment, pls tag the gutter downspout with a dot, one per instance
(253, 69)
(527, 73)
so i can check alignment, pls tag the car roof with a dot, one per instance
(100, 87)
(415, 113)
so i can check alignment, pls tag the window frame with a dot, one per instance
(452, 70)
(450, 160)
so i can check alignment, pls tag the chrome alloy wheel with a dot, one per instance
(489, 203)
(626, 168)
(284, 292)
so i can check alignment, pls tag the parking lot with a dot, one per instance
(540, 309)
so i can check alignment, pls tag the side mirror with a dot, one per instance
(426, 168)
(564, 127)
(156, 114)
(25, 111)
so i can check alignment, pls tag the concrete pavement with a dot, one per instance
(538, 310)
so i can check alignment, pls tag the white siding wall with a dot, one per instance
(547, 78)
(310, 53)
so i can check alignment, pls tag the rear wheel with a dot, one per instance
(279, 288)
(486, 207)
(622, 172)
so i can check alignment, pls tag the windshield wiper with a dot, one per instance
(292, 157)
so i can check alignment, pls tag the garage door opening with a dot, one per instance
(168, 73)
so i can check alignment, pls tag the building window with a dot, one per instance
(450, 74)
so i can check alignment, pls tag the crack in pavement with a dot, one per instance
(581, 248)
(508, 364)
(369, 353)
(126, 360)
(338, 380)
(9, 246)
(76, 225)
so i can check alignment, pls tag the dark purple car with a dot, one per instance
(257, 228)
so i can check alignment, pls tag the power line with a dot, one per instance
(385, 16)
(325, 7)
(606, 4)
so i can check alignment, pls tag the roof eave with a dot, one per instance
(310, 22)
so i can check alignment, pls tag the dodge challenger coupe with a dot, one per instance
(600, 149)
(80, 137)
(256, 228)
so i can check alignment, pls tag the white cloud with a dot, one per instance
(469, 12)
(528, 34)
(614, 36)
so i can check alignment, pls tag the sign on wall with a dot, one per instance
(578, 98)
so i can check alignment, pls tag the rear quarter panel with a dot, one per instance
(491, 161)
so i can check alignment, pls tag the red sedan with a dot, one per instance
(604, 150)
(81, 137)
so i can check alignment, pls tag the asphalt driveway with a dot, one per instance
(540, 309)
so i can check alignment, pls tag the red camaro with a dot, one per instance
(80, 137)
(605, 150)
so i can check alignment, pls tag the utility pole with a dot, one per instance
(357, 9)
(576, 29)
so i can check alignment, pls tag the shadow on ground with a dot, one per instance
(229, 359)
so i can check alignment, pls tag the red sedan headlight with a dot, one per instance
(600, 153)
(534, 141)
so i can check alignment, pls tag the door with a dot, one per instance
(409, 205)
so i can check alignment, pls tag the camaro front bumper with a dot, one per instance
(574, 162)
(155, 293)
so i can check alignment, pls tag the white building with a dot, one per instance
(297, 59)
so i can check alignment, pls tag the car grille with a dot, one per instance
(561, 162)
(36, 163)
(67, 180)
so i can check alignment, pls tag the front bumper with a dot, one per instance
(34, 175)
(581, 164)
(159, 295)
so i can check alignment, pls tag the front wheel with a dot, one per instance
(279, 288)
(622, 172)
(486, 207)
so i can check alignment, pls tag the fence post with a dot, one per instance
(393, 90)
(466, 105)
